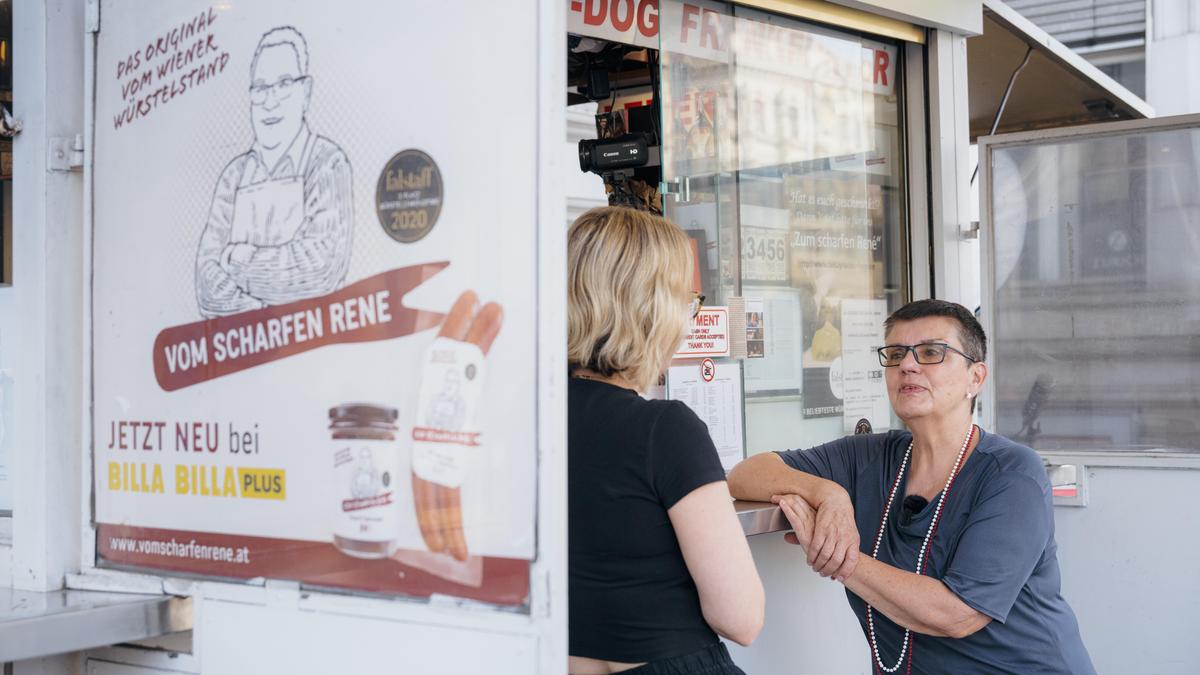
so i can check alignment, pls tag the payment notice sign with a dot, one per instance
(708, 335)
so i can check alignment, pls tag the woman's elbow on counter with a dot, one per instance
(745, 479)
(736, 481)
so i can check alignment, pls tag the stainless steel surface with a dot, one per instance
(35, 624)
(760, 517)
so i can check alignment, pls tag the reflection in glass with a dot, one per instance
(782, 150)
(1097, 319)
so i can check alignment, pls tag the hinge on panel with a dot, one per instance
(679, 188)
(971, 231)
(65, 153)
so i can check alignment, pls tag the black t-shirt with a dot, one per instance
(629, 460)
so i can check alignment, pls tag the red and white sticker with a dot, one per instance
(708, 370)
(444, 435)
(365, 472)
(707, 336)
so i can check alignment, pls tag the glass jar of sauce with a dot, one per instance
(366, 461)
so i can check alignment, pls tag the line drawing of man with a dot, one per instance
(281, 221)
(447, 409)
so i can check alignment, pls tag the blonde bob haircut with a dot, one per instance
(628, 284)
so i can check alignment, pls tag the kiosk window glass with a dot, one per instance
(783, 158)
(1097, 292)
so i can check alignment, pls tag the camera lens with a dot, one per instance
(585, 154)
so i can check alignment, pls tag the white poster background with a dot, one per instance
(864, 394)
(718, 403)
(6, 435)
(382, 81)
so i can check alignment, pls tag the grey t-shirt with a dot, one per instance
(994, 548)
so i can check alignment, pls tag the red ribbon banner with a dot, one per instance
(367, 310)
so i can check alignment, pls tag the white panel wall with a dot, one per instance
(809, 627)
(1130, 567)
(248, 639)
(41, 313)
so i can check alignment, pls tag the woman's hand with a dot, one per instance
(827, 534)
(835, 542)
(801, 517)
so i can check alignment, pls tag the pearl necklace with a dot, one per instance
(921, 561)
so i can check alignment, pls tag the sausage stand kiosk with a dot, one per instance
(285, 333)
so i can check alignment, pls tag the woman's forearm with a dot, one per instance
(765, 475)
(919, 603)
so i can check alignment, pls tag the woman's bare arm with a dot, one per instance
(718, 558)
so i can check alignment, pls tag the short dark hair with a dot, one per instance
(970, 333)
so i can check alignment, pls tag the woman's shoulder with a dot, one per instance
(674, 422)
(629, 410)
(1011, 457)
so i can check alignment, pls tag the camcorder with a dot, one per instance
(610, 155)
(615, 160)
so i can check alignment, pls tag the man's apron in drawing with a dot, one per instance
(269, 213)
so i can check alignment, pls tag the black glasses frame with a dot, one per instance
(883, 360)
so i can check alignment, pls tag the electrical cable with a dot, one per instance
(1003, 102)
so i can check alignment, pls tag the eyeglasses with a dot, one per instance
(695, 305)
(926, 354)
(282, 87)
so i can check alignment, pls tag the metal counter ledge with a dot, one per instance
(760, 517)
(35, 624)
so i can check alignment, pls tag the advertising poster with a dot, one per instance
(755, 345)
(700, 223)
(765, 255)
(836, 254)
(314, 327)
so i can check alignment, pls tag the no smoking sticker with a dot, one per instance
(708, 370)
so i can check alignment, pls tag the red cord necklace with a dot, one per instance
(922, 561)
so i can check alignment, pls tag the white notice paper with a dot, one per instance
(773, 315)
(714, 392)
(864, 393)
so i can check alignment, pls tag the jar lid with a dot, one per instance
(368, 412)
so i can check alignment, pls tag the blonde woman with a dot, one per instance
(659, 566)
